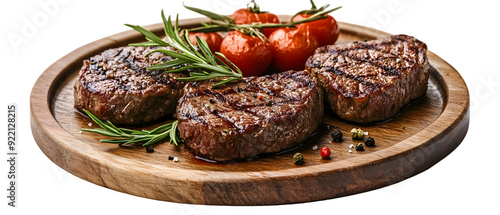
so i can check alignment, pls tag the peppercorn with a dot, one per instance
(357, 133)
(170, 157)
(149, 149)
(298, 158)
(337, 135)
(369, 141)
(360, 147)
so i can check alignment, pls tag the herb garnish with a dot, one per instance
(133, 136)
(210, 66)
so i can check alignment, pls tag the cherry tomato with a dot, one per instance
(291, 47)
(325, 152)
(250, 54)
(246, 16)
(213, 39)
(326, 30)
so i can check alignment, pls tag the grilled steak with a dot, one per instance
(250, 116)
(371, 81)
(116, 86)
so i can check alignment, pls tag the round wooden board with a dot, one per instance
(426, 131)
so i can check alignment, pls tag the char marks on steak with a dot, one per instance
(250, 116)
(116, 86)
(371, 81)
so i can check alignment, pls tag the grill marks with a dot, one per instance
(125, 68)
(371, 64)
(259, 99)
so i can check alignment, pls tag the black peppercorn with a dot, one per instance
(360, 147)
(170, 157)
(369, 141)
(149, 149)
(337, 135)
(298, 158)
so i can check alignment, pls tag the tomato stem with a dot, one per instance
(253, 7)
(249, 29)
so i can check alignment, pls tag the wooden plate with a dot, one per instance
(426, 131)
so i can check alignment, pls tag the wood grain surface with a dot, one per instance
(425, 132)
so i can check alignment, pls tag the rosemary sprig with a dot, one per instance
(126, 136)
(204, 64)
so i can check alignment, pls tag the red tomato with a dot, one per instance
(325, 152)
(213, 39)
(245, 16)
(291, 47)
(325, 30)
(250, 54)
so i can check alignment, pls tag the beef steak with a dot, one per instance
(251, 116)
(371, 81)
(116, 86)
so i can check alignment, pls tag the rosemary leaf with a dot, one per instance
(181, 69)
(155, 139)
(100, 123)
(167, 65)
(144, 44)
(115, 129)
(186, 58)
(225, 81)
(210, 14)
(115, 141)
(174, 137)
(206, 51)
(148, 34)
(139, 139)
(102, 132)
(161, 129)
(202, 78)
(133, 132)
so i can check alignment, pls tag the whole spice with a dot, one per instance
(325, 152)
(298, 158)
(337, 135)
(149, 149)
(369, 141)
(357, 133)
(360, 147)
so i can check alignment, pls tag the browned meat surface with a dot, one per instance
(250, 116)
(371, 81)
(116, 85)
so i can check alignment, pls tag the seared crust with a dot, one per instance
(251, 116)
(371, 81)
(116, 86)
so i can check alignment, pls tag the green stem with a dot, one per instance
(217, 25)
(253, 7)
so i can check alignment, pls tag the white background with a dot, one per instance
(464, 33)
